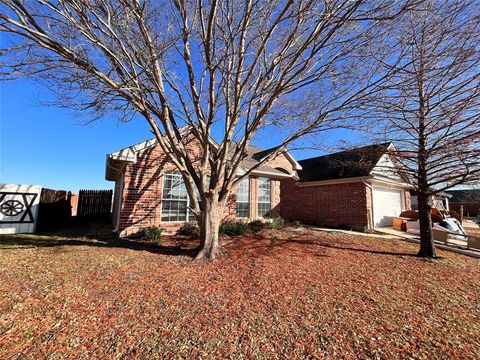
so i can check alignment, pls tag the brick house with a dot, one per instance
(469, 199)
(333, 190)
(358, 189)
(150, 192)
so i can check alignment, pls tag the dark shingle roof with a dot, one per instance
(344, 164)
(465, 196)
(254, 155)
(260, 154)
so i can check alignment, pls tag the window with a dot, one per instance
(243, 193)
(264, 206)
(175, 200)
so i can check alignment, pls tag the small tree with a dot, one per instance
(234, 66)
(430, 107)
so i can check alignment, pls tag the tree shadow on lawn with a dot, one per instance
(11, 242)
(8, 242)
(88, 232)
(272, 243)
(257, 244)
(93, 234)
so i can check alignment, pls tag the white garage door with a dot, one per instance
(387, 204)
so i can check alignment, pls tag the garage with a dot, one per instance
(387, 203)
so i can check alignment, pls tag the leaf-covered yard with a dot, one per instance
(287, 294)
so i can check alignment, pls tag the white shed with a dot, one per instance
(19, 208)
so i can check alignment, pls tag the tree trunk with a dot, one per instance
(427, 246)
(209, 226)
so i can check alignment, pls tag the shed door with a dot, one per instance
(18, 208)
(387, 203)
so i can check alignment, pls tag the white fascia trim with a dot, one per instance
(130, 153)
(335, 181)
(270, 174)
(391, 182)
(296, 165)
(242, 171)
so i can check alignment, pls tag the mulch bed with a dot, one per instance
(278, 294)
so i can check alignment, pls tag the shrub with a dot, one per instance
(297, 224)
(189, 229)
(150, 233)
(233, 228)
(278, 223)
(256, 225)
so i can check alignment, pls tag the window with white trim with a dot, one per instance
(175, 200)
(243, 195)
(264, 197)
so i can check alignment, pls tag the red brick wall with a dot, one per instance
(333, 205)
(275, 193)
(408, 200)
(142, 190)
(253, 197)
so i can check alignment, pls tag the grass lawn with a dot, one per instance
(282, 294)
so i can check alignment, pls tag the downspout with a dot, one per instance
(372, 217)
(120, 171)
(119, 205)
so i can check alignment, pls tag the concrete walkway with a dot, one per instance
(390, 233)
(458, 246)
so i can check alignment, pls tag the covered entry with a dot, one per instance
(387, 203)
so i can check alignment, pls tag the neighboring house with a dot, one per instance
(468, 198)
(150, 192)
(359, 188)
(439, 200)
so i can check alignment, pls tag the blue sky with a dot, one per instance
(53, 148)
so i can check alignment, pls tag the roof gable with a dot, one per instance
(254, 156)
(465, 196)
(262, 154)
(358, 162)
(387, 167)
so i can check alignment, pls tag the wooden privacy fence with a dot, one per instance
(470, 209)
(94, 203)
(55, 208)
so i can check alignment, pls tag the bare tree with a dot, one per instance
(430, 107)
(234, 66)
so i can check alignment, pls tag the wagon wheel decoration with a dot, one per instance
(11, 207)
